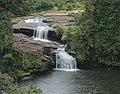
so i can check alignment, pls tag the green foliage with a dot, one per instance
(6, 32)
(10, 63)
(6, 42)
(34, 62)
(17, 64)
(9, 58)
(69, 4)
(44, 5)
(17, 7)
(98, 39)
(59, 32)
(7, 87)
(5, 82)
(24, 8)
(33, 90)
(67, 33)
(58, 4)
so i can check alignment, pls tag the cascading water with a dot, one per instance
(41, 33)
(65, 61)
(40, 28)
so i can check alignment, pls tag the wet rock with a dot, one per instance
(52, 35)
(28, 32)
(72, 53)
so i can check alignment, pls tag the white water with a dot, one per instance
(43, 40)
(34, 20)
(41, 33)
(64, 61)
(69, 70)
(40, 28)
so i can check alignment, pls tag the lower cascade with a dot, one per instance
(64, 60)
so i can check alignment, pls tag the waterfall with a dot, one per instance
(64, 60)
(41, 32)
(40, 28)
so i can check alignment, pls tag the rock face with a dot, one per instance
(52, 36)
(36, 55)
(20, 26)
(28, 32)
(27, 44)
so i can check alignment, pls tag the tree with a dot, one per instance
(7, 87)
(98, 39)
(9, 59)
(6, 32)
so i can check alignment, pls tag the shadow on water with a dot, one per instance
(77, 82)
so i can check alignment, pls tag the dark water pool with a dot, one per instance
(77, 82)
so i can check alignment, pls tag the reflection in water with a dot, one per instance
(77, 82)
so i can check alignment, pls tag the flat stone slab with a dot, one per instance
(27, 44)
(22, 24)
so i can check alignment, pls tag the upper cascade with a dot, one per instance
(41, 28)
(41, 33)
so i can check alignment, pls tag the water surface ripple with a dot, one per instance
(77, 82)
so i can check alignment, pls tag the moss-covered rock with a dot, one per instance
(33, 56)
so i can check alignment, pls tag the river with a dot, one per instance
(77, 82)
